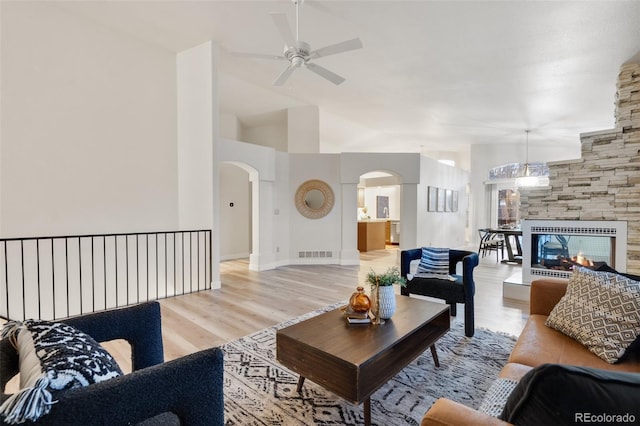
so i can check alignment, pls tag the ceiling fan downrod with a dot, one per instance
(297, 3)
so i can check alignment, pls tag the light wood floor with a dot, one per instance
(249, 301)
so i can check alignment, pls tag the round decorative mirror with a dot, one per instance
(314, 199)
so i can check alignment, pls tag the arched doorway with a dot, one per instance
(239, 207)
(379, 210)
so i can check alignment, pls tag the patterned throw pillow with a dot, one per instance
(496, 397)
(52, 356)
(434, 263)
(601, 310)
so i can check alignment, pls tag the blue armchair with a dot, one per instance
(461, 290)
(186, 391)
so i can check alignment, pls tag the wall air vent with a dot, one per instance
(314, 254)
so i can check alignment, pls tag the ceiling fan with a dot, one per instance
(299, 54)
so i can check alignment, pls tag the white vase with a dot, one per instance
(387, 301)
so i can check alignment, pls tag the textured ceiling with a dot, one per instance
(433, 75)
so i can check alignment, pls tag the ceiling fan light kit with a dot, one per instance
(299, 54)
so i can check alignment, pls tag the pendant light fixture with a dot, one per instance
(525, 178)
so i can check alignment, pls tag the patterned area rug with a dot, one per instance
(259, 391)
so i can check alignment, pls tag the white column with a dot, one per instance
(409, 216)
(215, 172)
(265, 258)
(349, 254)
(199, 145)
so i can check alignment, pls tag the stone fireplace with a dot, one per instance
(601, 188)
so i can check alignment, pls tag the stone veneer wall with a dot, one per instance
(605, 183)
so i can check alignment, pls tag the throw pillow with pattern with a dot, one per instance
(601, 310)
(434, 263)
(52, 356)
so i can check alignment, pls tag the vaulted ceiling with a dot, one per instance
(432, 75)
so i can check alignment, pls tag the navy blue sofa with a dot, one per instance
(184, 391)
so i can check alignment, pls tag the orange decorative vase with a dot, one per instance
(359, 301)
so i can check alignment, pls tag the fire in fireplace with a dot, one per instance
(565, 252)
(553, 248)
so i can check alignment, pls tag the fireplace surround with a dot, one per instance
(604, 184)
(601, 189)
(553, 248)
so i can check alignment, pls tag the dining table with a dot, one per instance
(514, 251)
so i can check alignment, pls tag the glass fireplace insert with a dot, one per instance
(565, 252)
(554, 248)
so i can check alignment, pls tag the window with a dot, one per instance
(508, 211)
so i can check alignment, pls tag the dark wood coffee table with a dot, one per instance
(353, 361)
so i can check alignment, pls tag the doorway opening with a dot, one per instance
(379, 210)
(239, 187)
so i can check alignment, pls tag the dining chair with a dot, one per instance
(490, 241)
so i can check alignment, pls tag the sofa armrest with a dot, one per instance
(545, 294)
(191, 387)
(447, 412)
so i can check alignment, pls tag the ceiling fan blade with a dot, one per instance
(284, 76)
(258, 56)
(333, 49)
(323, 72)
(280, 19)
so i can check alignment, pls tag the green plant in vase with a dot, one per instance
(390, 277)
(382, 293)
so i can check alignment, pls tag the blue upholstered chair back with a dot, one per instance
(185, 391)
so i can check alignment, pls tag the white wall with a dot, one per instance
(229, 126)
(394, 192)
(441, 229)
(303, 132)
(283, 209)
(322, 234)
(269, 135)
(283, 232)
(88, 134)
(336, 133)
(195, 136)
(259, 158)
(354, 165)
(268, 130)
(461, 159)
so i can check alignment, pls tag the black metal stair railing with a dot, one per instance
(62, 276)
